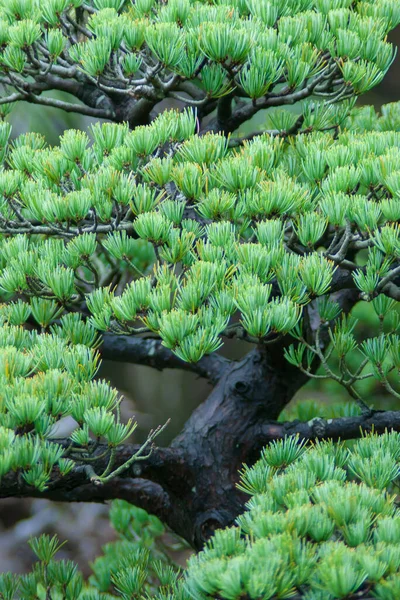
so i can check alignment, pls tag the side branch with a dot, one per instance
(161, 484)
(249, 109)
(343, 428)
(81, 109)
(152, 353)
(141, 492)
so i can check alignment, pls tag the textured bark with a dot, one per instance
(215, 440)
(342, 428)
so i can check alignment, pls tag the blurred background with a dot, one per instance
(151, 396)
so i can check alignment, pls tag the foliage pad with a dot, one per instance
(322, 523)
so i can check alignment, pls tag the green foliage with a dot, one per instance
(45, 377)
(321, 523)
(273, 212)
(162, 233)
(136, 565)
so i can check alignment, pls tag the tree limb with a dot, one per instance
(153, 484)
(82, 109)
(343, 428)
(152, 353)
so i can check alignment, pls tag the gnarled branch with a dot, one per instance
(152, 353)
(342, 428)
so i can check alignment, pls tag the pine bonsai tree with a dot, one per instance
(159, 236)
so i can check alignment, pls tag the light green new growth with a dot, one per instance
(207, 232)
(43, 379)
(322, 523)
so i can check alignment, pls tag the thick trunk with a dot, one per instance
(215, 441)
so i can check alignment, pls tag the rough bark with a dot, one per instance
(215, 439)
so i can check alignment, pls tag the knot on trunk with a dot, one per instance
(207, 524)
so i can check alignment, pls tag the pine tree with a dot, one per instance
(155, 237)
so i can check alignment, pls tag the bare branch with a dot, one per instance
(343, 428)
(69, 106)
(12, 98)
(152, 353)
(392, 291)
